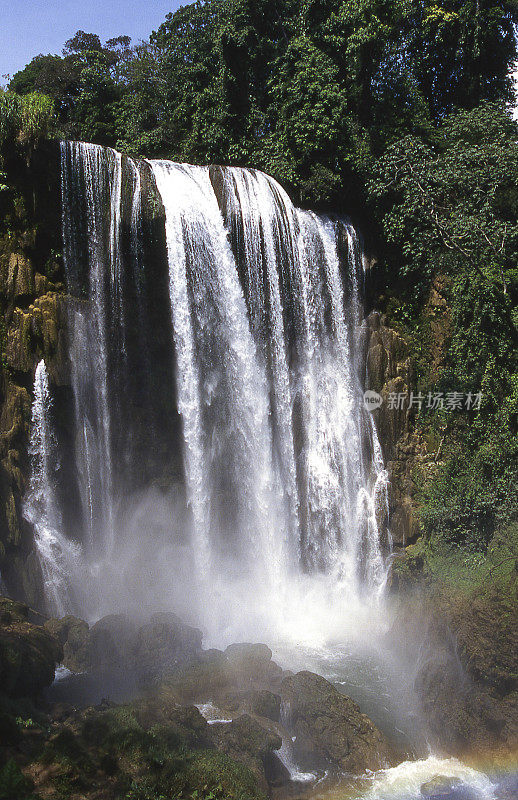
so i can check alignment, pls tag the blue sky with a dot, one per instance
(30, 27)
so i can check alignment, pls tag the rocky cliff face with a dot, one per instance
(466, 674)
(32, 326)
(390, 373)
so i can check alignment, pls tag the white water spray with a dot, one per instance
(59, 557)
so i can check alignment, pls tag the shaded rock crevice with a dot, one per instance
(390, 373)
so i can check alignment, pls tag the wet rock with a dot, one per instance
(109, 641)
(164, 643)
(329, 727)
(28, 653)
(12, 612)
(229, 676)
(276, 773)
(38, 332)
(20, 278)
(186, 723)
(117, 643)
(252, 662)
(208, 679)
(73, 635)
(61, 712)
(390, 371)
(260, 702)
(441, 787)
(245, 740)
(466, 677)
(249, 656)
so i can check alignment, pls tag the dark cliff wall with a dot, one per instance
(32, 326)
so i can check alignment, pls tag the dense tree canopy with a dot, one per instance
(312, 91)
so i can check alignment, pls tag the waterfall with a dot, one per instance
(222, 391)
(109, 348)
(305, 328)
(58, 556)
(268, 382)
(211, 319)
(89, 331)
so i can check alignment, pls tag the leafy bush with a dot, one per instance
(14, 785)
(25, 118)
(9, 115)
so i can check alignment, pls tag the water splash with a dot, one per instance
(59, 557)
(404, 781)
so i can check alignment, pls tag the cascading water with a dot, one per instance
(59, 557)
(233, 486)
(300, 454)
(260, 316)
(89, 332)
(305, 329)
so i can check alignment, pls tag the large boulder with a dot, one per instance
(118, 643)
(73, 635)
(260, 702)
(163, 644)
(329, 727)
(208, 679)
(226, 677)
(111, 640)
(249, 742)
(252, 665)
(441, 787)
(28, 652)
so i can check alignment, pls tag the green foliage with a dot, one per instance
(211, 775)
(493, 572)
(451, 202)
(36, 116)
(25, 119)
(449, 205)
(14, 785)
(85, 85)
(310, 91)
(117, 728)
(152, 764)
(55, 77)
(474, 492)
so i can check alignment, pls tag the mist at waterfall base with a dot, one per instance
(217, 459)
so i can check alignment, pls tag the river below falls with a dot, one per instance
(378, 679)
(380, 683)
